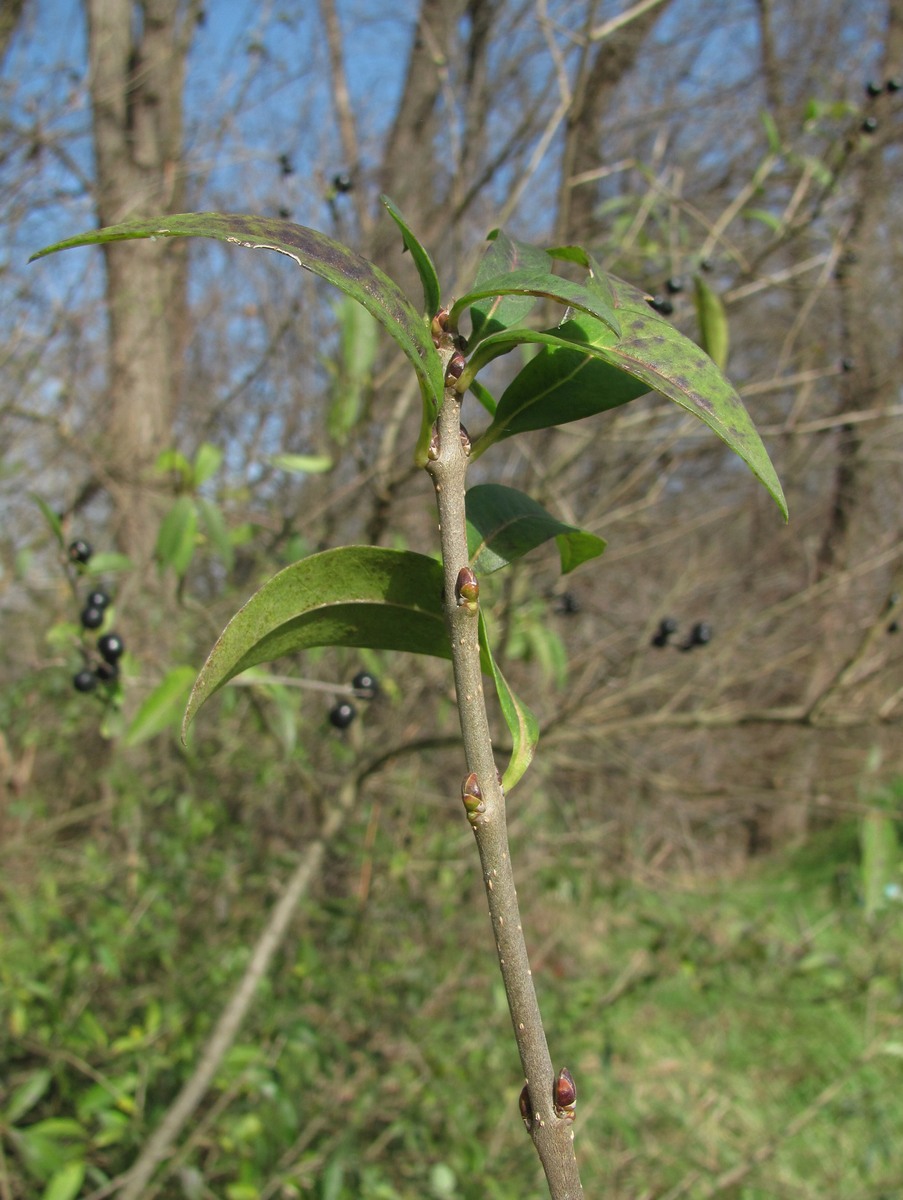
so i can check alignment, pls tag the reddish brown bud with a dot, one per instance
(472, 794)
(455, 368)
(465, 441)
(524, 1102)
(467, 590)
(564, 1095)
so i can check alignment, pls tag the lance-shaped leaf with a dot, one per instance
(503, 256)
(432, 295)
(503, 524)
(353, 596)
(521, 722)
(593, 297)
(714, 336)
(356, 276)
(560, 383)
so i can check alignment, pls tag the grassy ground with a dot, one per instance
(740, 1037)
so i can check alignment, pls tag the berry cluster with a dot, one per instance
(700, 634)
(365, 687)
(104, 667)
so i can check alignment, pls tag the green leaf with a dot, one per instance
(107, 563)
(593, 297)
(432, 293)
(175, 461)
(713, 330)
(651, 353)
(355, 276)
(501, 312)
(503, 524)
(27, 1095)
(353, 370)
(177, 536)
(772, 132)
(207, 462)
(217, 530)
(351, 596)
(56, 526)
(880, 851)
(520, 720)
(66, 1183)
(162, 708)
(560, 384)
(302, 464)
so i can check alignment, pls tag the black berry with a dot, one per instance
(662, 305)
(895, 84)
(80, 551)
(343, 183)
(342, 715)
(667, 626)
(85, 681)
(91, 617)
(285, 165)
(847, 365)
(675, 285)
(567, 604)
(111, 647)
(365, 685)
(873, 88)
(869, 125)
(702, 634)
(97, 600)
(106, 672)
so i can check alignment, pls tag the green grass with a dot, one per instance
(701, 1020)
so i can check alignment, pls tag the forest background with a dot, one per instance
(706, 843)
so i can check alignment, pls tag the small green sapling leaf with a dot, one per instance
(503, 524)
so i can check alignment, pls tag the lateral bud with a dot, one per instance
(564, 1095)
(472, 796)
(455, 368)
(439, 326)
(465, 442)
(467, 590)
(524, 1102)
(432, 450)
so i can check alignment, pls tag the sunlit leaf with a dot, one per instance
(302, 464)
(503, 255)
(714, 336)
(162, 708)
(592, 297)
(217, 531)
(66, 1183)
(314, 251)
(27, 1095)
(503, 524)
(52, 519)
(432, 295)
(207, 462)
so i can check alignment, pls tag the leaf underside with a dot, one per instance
(503, 524)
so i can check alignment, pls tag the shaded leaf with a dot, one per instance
(52, 519)
(503, 524)
(162, 708)
(520, 720)
(217, 530)
(176, 538)
(106, 563)
(432, 295)
(356, 276)
(27, 1095)
(351, 596)
(358, 342)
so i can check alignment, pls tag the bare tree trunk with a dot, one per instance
(137, 54)
(598, 78)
